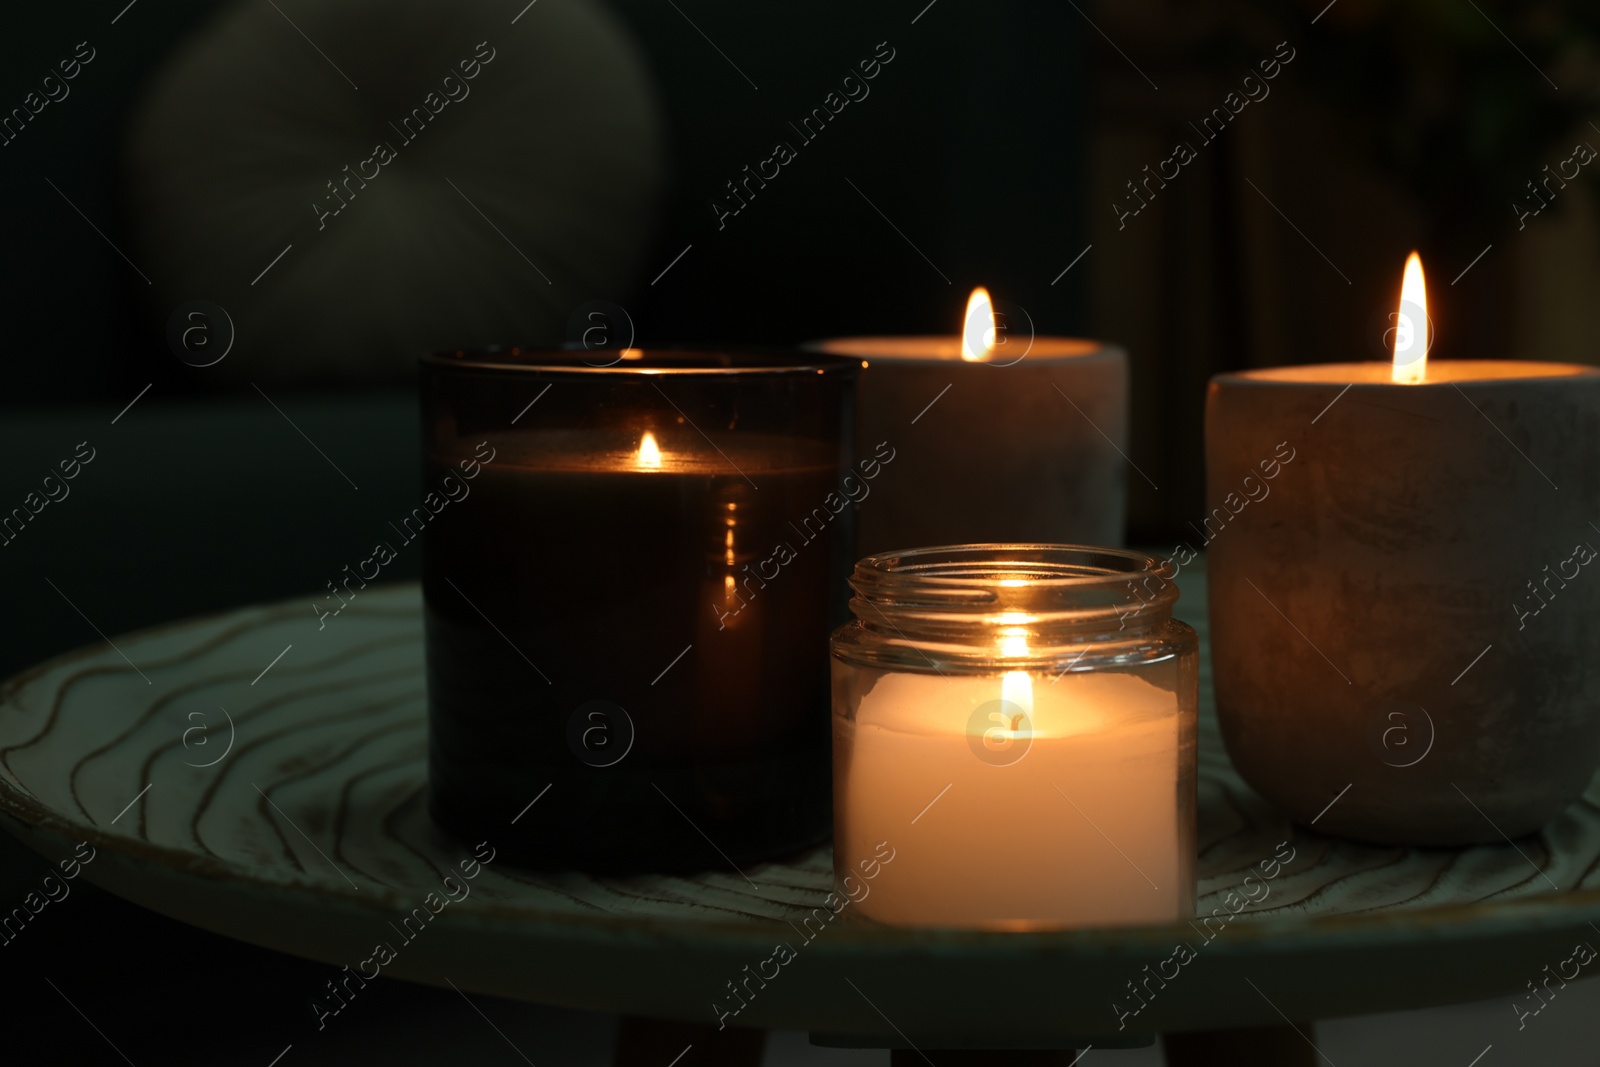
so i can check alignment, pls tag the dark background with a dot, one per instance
(971, 141)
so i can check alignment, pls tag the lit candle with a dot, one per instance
(992, 727)
(1007, 436)
(625, 556)
(1402, 617)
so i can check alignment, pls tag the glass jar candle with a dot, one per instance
(633, 565)
(1014, 725)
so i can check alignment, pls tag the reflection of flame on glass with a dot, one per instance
(649, 453)
(730, 545)
(1411, 326)
(1013, 633)
(1016, 687)
(977, 326)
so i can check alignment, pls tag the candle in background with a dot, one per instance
(621, 609)
(1017, 723)
(1007, 437)
(1403, 618)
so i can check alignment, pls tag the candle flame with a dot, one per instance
(649, 453)
(1017, 688)
(1411, 326)
(977, 327)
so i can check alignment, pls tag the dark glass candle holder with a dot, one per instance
(628, 590)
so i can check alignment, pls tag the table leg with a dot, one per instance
(656, 1042)
(905, 1057)
(1258, 1046)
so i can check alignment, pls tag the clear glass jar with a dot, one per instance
(1014, 739)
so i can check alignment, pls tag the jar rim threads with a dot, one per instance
(1058, 593)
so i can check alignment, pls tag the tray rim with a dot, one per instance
(1282, 932)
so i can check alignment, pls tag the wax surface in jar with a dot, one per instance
(1086, 828)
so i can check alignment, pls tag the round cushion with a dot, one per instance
(440, 177)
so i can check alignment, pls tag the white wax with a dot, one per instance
(1082, 830)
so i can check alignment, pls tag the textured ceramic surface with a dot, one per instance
(1374, 604)
(309, 834)
(988, 452)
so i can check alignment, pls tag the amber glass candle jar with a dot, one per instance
(626, 608)
(1014, 725)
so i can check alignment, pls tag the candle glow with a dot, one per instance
(1047, 776)
(1411, 326)
(1068, 765)
(649, 453)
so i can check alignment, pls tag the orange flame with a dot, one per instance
(649, 453)
(977, 326)
(1411, 338)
